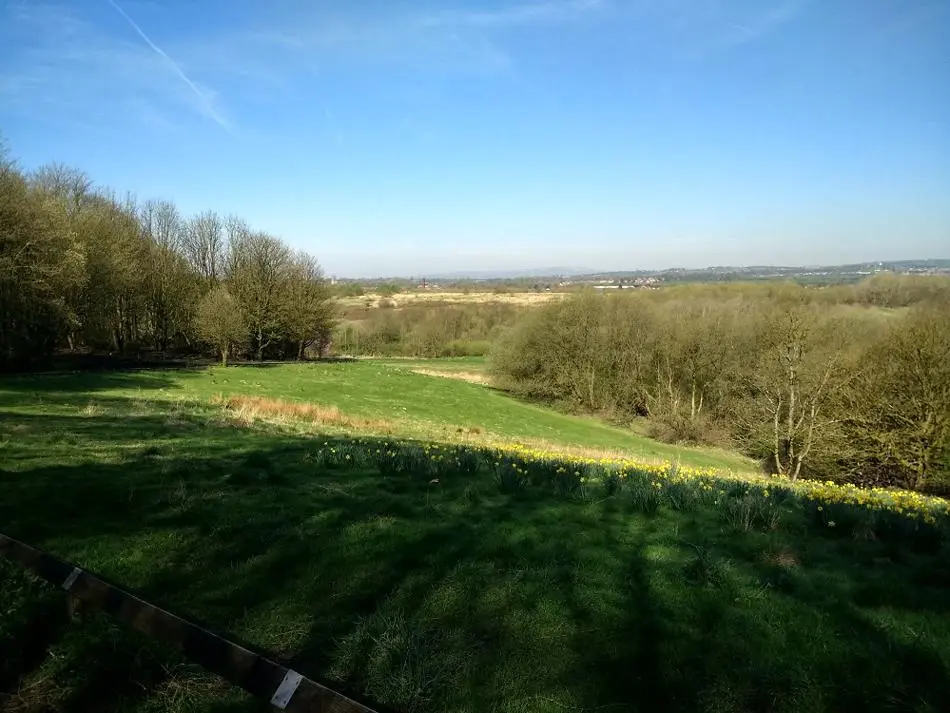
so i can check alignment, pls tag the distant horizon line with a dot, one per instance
(519, 273)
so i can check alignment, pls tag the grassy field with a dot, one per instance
(382, 390)
(455, 595)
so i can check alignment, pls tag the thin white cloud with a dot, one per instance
(526, 14)
(764, 22)
(64, 68)
(453, 41)
(64, 62)
(207, 106)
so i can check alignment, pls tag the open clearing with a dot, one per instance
(401, 299)
(454, 595)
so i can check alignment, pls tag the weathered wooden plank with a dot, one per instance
(257, 674)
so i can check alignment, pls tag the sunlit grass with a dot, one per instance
(382, 391)
(460, 572)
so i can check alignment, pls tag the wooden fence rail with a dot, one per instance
(258, 675)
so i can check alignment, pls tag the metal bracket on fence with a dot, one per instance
(260, 676)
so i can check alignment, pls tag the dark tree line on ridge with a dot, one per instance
(847, 382)
(83, 269)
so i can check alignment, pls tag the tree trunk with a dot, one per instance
(790, 432)
(590, 389)
(224, 357)
(776, 445)
(695, 407)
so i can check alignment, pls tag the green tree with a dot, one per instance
(258, 267)
(40, 265)
(112, 305)
(220, 322)
(388, 289)
(306, 307)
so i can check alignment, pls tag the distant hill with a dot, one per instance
(510, 274)
(815, 273)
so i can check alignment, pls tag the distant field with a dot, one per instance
(451, 592)
(409, 298)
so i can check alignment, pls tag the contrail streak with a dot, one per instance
(205, 102)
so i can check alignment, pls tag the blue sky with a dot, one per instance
(417, 137)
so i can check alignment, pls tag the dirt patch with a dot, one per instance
(784, 558)
(251, 408)
(472, 377)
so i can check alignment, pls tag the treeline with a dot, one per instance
(424, 330)
(82, 269)
(845, 382)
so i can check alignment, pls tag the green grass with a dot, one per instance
(458, 595)
(421, 405)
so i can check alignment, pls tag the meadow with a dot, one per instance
(429, 544)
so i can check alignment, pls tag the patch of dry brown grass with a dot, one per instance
(784, 558)
(255, 408)
(404, 299)
(472, 377)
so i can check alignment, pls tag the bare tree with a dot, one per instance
(799, 378)
(235, 229)
(204, 245)
(899, 417)
(71, 185)
(162, 224)
(169, 282)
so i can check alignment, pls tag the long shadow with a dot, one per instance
(63, 387)
(420, 596)
(627, 662)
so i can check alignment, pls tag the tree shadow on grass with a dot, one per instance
(453, 595)
(73, 386)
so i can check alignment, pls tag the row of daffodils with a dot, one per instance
(907, 502)
(517, 465)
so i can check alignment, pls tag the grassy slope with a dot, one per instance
(448, 597)
(385, 390)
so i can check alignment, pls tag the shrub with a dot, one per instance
(848, 387)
